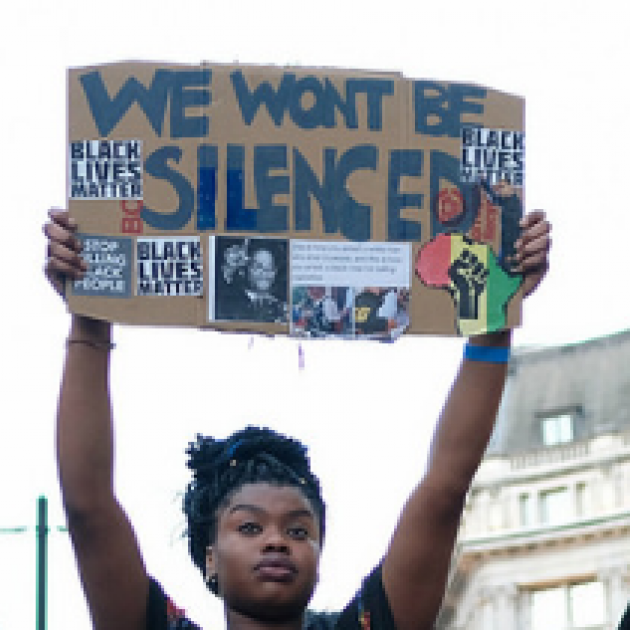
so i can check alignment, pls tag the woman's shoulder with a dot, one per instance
(368, 610)
(163, 614)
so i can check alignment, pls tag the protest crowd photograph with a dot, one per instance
(322, 311)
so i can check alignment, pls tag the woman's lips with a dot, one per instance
(276, 569)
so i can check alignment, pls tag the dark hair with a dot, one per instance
(221, 467)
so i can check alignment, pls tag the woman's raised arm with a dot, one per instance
(109, 560)
(415, 568)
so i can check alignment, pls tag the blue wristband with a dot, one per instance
(487, 354)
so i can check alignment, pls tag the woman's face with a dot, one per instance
(266, 553)
(261, 271)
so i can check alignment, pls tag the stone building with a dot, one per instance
(545, 540)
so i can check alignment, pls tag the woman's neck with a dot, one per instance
(239, 621)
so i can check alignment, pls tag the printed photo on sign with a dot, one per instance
(497, 208)
(494, 161)
(350, 289)
(381, 312)
(109, 266)
(322, 311)
(105, 169)
(492, 155)
(169, 266)
(251, 279)
(509, 201)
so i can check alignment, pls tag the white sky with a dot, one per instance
(367, 410)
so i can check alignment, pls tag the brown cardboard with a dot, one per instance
(377, 157)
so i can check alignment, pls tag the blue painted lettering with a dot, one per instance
(157, 166)
(311, 102)
(438, 109)
(238, 217)
(403, 163)
(306, 185)
(271, 217)
(187, 93)
(355, 218)
(207, 164)
(187, 88)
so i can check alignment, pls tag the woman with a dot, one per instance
(256, 520)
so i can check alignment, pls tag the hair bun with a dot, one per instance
(206, 454)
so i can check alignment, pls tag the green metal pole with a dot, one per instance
(42, 534)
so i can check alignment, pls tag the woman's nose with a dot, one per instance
(276, 540)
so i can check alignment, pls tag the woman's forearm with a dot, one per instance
(468, 418)
(84, 420)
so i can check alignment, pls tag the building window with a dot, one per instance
(487, 616)
(549, 609)
(569, 607)
(557, 429)
(587, 605)
(527, 510)
(555, 506)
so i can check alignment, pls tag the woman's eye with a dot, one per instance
(249, 528)
(298, 533)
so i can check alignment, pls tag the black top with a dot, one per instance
(368, 610)
(366, 317)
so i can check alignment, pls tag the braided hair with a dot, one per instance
(221, 467)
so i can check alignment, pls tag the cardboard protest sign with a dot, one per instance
(293, 200)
